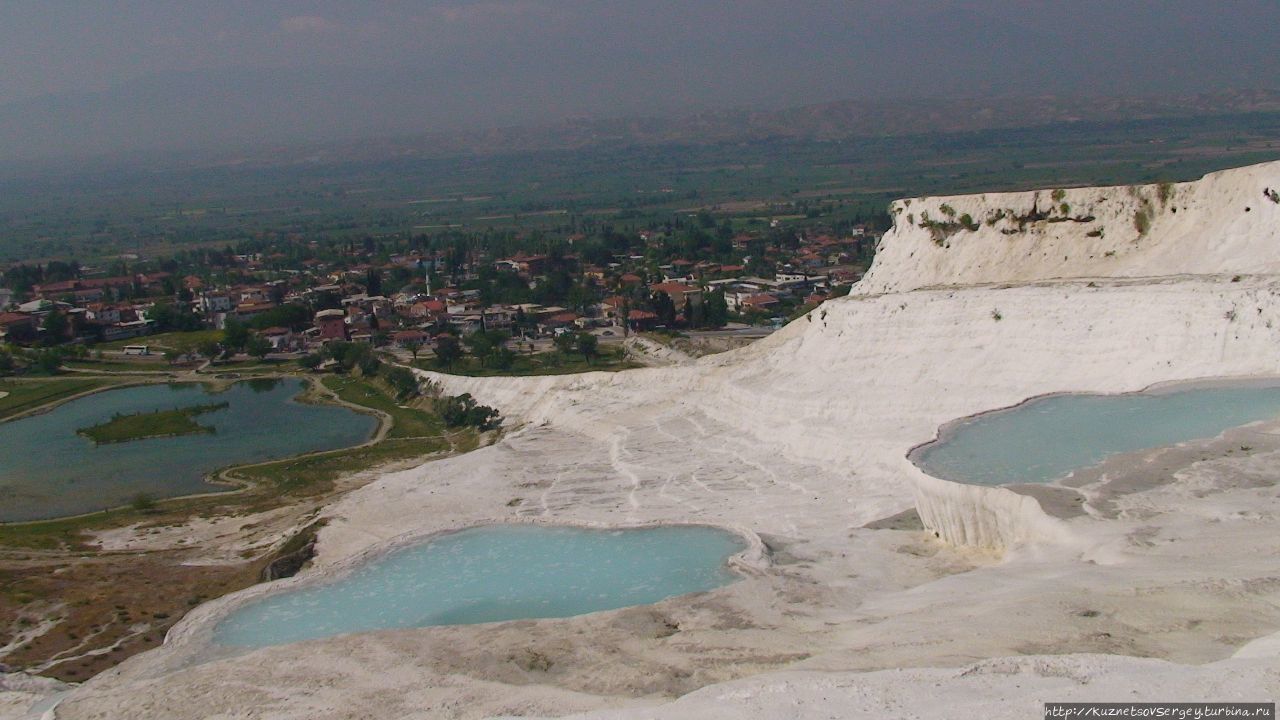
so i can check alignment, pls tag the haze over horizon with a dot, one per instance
(149, 76)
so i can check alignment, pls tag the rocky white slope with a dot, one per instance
(1227, 222)
(802, 439)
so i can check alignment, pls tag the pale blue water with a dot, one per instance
(1048, 438)
(492, 573)
(47, 470)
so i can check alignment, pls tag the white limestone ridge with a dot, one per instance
(1226, 222)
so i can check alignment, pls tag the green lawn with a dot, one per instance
(158, 423)
(407, 422)
(27, 395)
(316, 473)
(252, 366)
(160, 341)
(119, 366)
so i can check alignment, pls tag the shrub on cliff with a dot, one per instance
(463, 411)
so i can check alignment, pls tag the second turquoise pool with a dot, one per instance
(1047, 438)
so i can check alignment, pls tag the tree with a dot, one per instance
(326, 300)
(290, 315)
(413, 346)
(22, 333)
(350, 355)
(579, 298)
(48, 362)
(311, 361)
(403, 381)
(448, 350)
(235, 334)
(462, 411)
(716, 310)
(664, 308)
(167, 317)
(502, 358)
(209, 348)
(258, 347)
(487, 347)
(373, 282)
(589, 346)
(55, 328)
(479, 343)
(369, 364)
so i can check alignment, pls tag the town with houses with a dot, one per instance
(293, 296)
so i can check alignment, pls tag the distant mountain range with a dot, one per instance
(205, 123)
(844, 119)
(855, 118)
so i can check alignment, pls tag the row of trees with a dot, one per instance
(585, 344)
(347, 356)
(350, 357)
(489, 348)
(46, 361)
(459, 411)
(712, 312)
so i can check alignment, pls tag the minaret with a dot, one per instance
(427, 272)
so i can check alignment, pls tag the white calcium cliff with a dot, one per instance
(1147, 592)
(1227, 222)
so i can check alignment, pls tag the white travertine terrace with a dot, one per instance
(1221, 224)
(997, 605)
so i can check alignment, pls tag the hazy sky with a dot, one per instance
(437, 65)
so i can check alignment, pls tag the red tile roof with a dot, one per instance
(60, 286)
(672, 287)
(10, 318)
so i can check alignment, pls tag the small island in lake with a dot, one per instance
(155, 424)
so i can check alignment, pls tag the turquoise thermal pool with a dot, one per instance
(493, 573)
(1048, 438)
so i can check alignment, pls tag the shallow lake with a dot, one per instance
(492, 573)
(1048, 438)
(47, 470)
